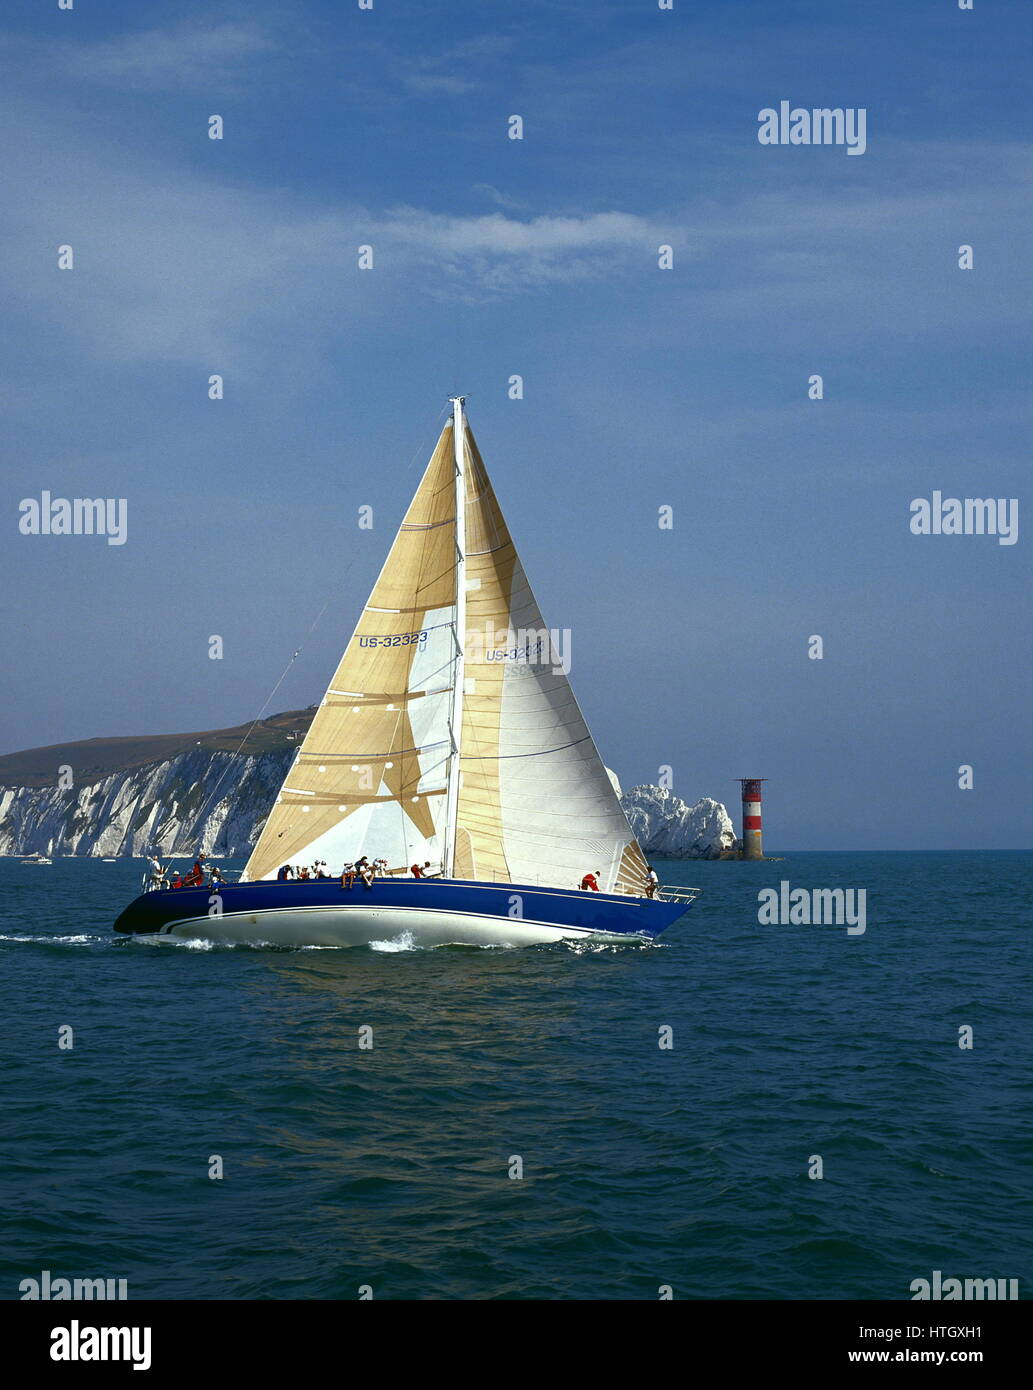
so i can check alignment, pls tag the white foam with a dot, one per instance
(53, 940)
(404, 941)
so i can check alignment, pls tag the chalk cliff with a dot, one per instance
(176, 794)
(666, 825)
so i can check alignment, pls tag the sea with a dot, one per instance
(741, 1110)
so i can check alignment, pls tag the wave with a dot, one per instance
(52, 940)
(404, 941)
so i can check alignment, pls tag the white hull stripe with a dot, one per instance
(374, 912)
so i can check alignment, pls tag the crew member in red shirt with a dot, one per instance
(196, 874)
(590, 882)
(417, 870)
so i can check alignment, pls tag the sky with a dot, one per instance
(643, 387)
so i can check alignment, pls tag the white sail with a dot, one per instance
(452, 652)
(535, 802)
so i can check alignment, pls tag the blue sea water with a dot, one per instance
(642, 1167)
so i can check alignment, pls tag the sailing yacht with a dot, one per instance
(449, 736)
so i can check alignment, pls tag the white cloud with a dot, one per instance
(191, 55)
(452, 70)
(176, 265)
(438, 84)
(494, 255)
(494, 195)
(494, 233)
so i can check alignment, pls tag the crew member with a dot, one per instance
(652, 882)
(590, 882)
(417, 869)
(351, 872)
(196, 874)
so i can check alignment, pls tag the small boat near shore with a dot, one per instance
(449, 750)
(35, 858)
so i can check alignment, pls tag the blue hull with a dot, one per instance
(436, 911)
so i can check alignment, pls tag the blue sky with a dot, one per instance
(643, 387)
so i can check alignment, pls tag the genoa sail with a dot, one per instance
(450, 731)
(535, 801)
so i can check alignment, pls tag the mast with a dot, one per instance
(455, 718)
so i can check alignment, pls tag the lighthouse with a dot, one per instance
(752, 848)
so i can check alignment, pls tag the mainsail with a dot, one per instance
(450, 732)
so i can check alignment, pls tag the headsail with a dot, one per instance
(530, 798)
(535, 802)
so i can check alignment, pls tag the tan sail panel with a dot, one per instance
(367, 748)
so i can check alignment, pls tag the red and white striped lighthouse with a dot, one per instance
(751, 837)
